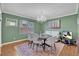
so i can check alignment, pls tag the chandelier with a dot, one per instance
(42, 17)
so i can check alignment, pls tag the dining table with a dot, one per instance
(44, 44)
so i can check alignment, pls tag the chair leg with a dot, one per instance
(30, 44)
(51, 49)
(37, 47)
(54, 46)
(33, 45)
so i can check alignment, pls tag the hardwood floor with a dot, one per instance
(69, 51)
(9, 50)
(0, 50)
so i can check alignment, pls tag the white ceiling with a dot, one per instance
(31, 10)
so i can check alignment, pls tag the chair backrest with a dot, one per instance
(45, 35)
(52, 32)
(30, 36)
(51, 40)
(54, 37)
(33, 36)
(55, 34)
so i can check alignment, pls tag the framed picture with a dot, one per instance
(31, 26)
(23, 27)
(11, 22)
(26, 27)
(54, 24)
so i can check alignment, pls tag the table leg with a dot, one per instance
(44, 48)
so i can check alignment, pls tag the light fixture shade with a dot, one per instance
(42, 17)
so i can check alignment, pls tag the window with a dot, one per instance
(11, 22)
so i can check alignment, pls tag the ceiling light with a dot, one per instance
(42, 17)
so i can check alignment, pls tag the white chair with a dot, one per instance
(33, 37)
(36, 42)
(30, 39)
(52, 41)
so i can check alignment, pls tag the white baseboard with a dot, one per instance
(13, 42)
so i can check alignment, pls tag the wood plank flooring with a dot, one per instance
(0, 50)
(69, 50)
(9, 50)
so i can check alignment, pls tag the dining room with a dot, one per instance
(39, 29)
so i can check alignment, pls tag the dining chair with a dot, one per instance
(33, 38)
(30, 39)
(52, 42)
(36, 42)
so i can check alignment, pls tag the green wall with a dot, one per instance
(0, 25)
(78, 21)
(68, 23)
(41, 27)
(37, 27)
(12, 33)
